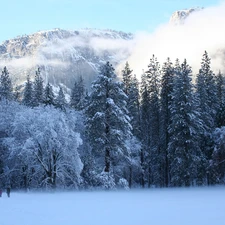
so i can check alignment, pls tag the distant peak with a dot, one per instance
(178, 17)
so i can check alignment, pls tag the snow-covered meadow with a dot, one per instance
(200, 206)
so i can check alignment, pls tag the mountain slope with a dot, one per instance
(63, 55)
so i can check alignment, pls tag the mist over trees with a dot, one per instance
(166, 130)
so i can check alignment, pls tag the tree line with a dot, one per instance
(166, 130)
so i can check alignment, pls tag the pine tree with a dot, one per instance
(220, 117)
(206, 90)
(49, 97)
(17, 94)
(60, 100)
(28, 93)
(218, 157)
(38, 96)
(145, 129)
(186, 158)
(107, 122)
(165, 116)
(5, 85)
(208, 104)
(133, 106)
(152, 75)
(127, 78)
(77, 99)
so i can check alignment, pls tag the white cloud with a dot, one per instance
(203, 30)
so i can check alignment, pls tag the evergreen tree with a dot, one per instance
(185, 154)
(17, 94)
(49, 97)
(152, 75)
(107, 122)
(38, 96)
(165, 116)
(220, 117)
(206, 90)
(218, 156)
(60, 100)
(208, 105)
(145, 128)
(5, 85)
(28, 93)
(127, 78)
(77, 99)
(133, 106)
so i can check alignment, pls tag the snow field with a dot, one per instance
(200, 206)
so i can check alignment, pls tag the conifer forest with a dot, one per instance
(166, 129)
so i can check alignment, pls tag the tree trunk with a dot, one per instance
(107, 159)
(130, 177)
(54, 170)
(142, 168)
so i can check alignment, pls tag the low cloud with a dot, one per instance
(119, 48)
(202, 30)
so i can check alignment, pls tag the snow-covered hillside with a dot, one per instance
(156, 207)
(63, 55)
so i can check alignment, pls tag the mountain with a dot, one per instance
(63, 55)
(179, 17)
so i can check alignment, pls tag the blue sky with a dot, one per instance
(20, 17)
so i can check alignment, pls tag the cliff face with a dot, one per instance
(63, 55)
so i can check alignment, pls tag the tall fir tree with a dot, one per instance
(38, 96)
(60, 99)
(153, 76)
(186, 159)
(165, 117)
(206, 91)
(6, 85)
(28, 93)
(133, 106)
(145, 129)
(127, 78)
(17, 94)
(107, 122)
(220, 83)
(49, 97)
(77, 98)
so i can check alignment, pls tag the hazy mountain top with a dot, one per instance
(23, 45)
(63, 55)
(178, 17)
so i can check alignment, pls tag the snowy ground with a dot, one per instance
(201, 206)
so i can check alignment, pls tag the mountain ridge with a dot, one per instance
(63, 55)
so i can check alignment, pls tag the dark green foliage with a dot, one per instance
(107, 122)
(77, 98)
(5, 85)
(186, 158)
(220, 83)
(133, 106)
(49, 97)
(152, 81)
(165, 117)
(127, 78)
(38, 96)
(60, 100)
(28, 93)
